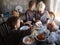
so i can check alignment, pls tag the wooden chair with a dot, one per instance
(52, 15)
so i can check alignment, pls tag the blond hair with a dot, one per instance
(41, 5)
(15, 13)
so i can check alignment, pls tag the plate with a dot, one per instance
(24, 28)
(28, 40)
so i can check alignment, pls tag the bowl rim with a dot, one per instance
(27, 37)
(40, 40)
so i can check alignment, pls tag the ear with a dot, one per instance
(15, 27)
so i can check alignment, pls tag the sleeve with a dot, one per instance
(23, 33)
(48, 16)
(27, 16)
(36, 16)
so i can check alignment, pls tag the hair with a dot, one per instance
(13, 12)
(50, 27)
(31, 3)
(41, 5)
(11, 21)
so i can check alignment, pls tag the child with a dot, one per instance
(30, 12)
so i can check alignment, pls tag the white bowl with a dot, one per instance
(26, 38)
(24, 28)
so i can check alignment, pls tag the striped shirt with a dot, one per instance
(4, 28)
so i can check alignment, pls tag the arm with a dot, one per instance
(23, 33)
(27, 16)
(48, 15)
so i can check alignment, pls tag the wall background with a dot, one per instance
(8, 5)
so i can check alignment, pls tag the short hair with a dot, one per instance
(31, 3)
(11, 21)
(50, 27)
(13, 12)
(41, 5)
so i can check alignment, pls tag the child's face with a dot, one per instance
(17, 24)
(33, 6)
(41, 9)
